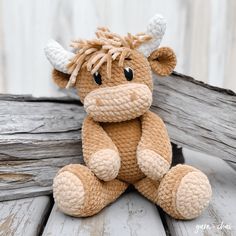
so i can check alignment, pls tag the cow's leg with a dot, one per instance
(183, 192)
(148, 188)
(78, 192)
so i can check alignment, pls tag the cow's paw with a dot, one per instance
(69, 193)
(105, 164)
(152, 164)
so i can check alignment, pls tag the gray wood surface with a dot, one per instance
(220, 217)
(40, 135)
(23, 217)
(198, 116)
(131, 214)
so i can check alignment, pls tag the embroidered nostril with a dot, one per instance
(133, 96)
(99, 102)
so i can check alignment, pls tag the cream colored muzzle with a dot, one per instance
(118, 103)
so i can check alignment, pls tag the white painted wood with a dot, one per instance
(201, 32)
(23, 217)
(131, 214)
(220, 217)
(217, 43)
(2, 59)
(229, 77)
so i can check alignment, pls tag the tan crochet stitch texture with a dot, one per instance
(123, 142)
(107, 47)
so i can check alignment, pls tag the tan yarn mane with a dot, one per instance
(107, 47)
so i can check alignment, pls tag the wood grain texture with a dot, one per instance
(131, 214)
(24, 217)
(220, 217)
(198, 116)
(40, 135)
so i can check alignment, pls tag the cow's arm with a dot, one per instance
(100, 153)
(154, 152)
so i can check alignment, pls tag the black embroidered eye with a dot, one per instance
(97, 78)
(128, 73)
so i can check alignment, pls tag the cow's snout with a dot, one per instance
(118, 103)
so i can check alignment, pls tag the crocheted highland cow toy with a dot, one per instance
(123, 141)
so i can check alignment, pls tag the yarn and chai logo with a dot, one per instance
(222, 226)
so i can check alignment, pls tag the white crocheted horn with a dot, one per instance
(156, 28)
(58, 56)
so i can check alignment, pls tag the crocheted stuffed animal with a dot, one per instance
(123, 141)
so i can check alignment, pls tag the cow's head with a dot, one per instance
(111, 73)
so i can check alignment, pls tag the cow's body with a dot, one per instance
(126, 136)
(123, 142)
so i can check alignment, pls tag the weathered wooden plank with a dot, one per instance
(220, 217)
(131, 214)
(29, 177)
(39, 135)
(24, 192)
(24, 217)
(198, 116)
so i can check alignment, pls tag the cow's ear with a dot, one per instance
(60, 78)
(162, 61)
